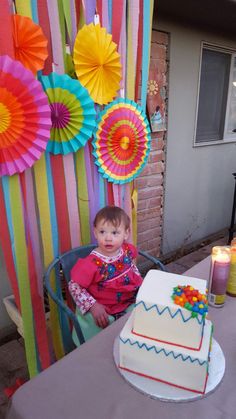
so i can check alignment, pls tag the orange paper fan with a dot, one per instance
(30, 44)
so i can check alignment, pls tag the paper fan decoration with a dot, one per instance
(122, 141)
(72, 113)
(97, 63)
(30, 44)
(24, 117)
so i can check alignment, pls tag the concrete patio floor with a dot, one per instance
(12, 354)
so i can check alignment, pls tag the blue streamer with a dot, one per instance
(110, 16)
(52, 206)
(145, 54)
(34, 11)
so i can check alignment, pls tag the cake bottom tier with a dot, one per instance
(180, 367)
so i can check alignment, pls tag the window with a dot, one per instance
(216, 114)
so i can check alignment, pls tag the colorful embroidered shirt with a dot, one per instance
(112, 281)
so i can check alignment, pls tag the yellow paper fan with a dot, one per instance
(97, 63)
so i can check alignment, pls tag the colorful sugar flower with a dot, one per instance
(191, 299)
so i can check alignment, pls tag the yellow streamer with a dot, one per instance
(22, 272)
(23, 7)
(47, 239)
(130, 70)
(134, 197)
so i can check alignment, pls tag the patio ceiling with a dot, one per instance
(217, 15)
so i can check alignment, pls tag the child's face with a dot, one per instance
(109, 237)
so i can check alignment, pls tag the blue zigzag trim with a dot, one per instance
(150, 348)
(200, 320)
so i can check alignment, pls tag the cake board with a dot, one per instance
(164, 392)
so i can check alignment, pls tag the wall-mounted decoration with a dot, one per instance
(24, 117)
(156, 99)
(97, 63)
(30, 44)
(121, 141)
(72, 113)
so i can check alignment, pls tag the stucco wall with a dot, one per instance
(198, 180)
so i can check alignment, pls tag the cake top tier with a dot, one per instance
(157, 287)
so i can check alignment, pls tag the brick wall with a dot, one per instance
(150, 183)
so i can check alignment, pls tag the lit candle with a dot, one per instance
(220, 263)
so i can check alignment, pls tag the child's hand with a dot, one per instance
(100, 315)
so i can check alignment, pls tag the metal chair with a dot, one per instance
(62, 266)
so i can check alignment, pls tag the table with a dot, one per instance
(86, 384)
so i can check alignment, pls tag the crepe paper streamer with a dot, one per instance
(90, 8)
(34, 10)
(147, 16)
(6, 245)
(45, 25)
(99, 12)
(116, 194)
(32, 218)
(110, 5)
(100, 69)
(23, 7)
(92, 211)
(30, 44)
(67, 15)
(49, 234)
(6, 39)
(71, 196)
(122, 49)
(73, 17)
(61, 203)
(132, 48)
(23, 273)
(36, 297)
(134, 197)
(130, 64)
(56, 36)
(72, 113)
(24, 117)
(139, 52)
(83, 200)
(105, 16)
(122, 141)
(117, 20)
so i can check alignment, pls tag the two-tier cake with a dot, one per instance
(167, 337)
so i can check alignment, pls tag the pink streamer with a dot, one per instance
(71, 194)
(105, 17)
(57, 47)
(122, 50)
(134, 12)
(73, 21)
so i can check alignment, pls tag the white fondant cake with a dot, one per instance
(171, 364)
(161, 340)
(156, 316)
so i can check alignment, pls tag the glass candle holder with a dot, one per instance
(219, 273)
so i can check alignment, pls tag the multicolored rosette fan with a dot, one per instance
(24, 117)
(122, 141)
(190, 298)
(72, 113)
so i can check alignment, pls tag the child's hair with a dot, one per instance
(114, 215)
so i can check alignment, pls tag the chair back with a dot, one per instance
(59, 270)
(69, 258)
